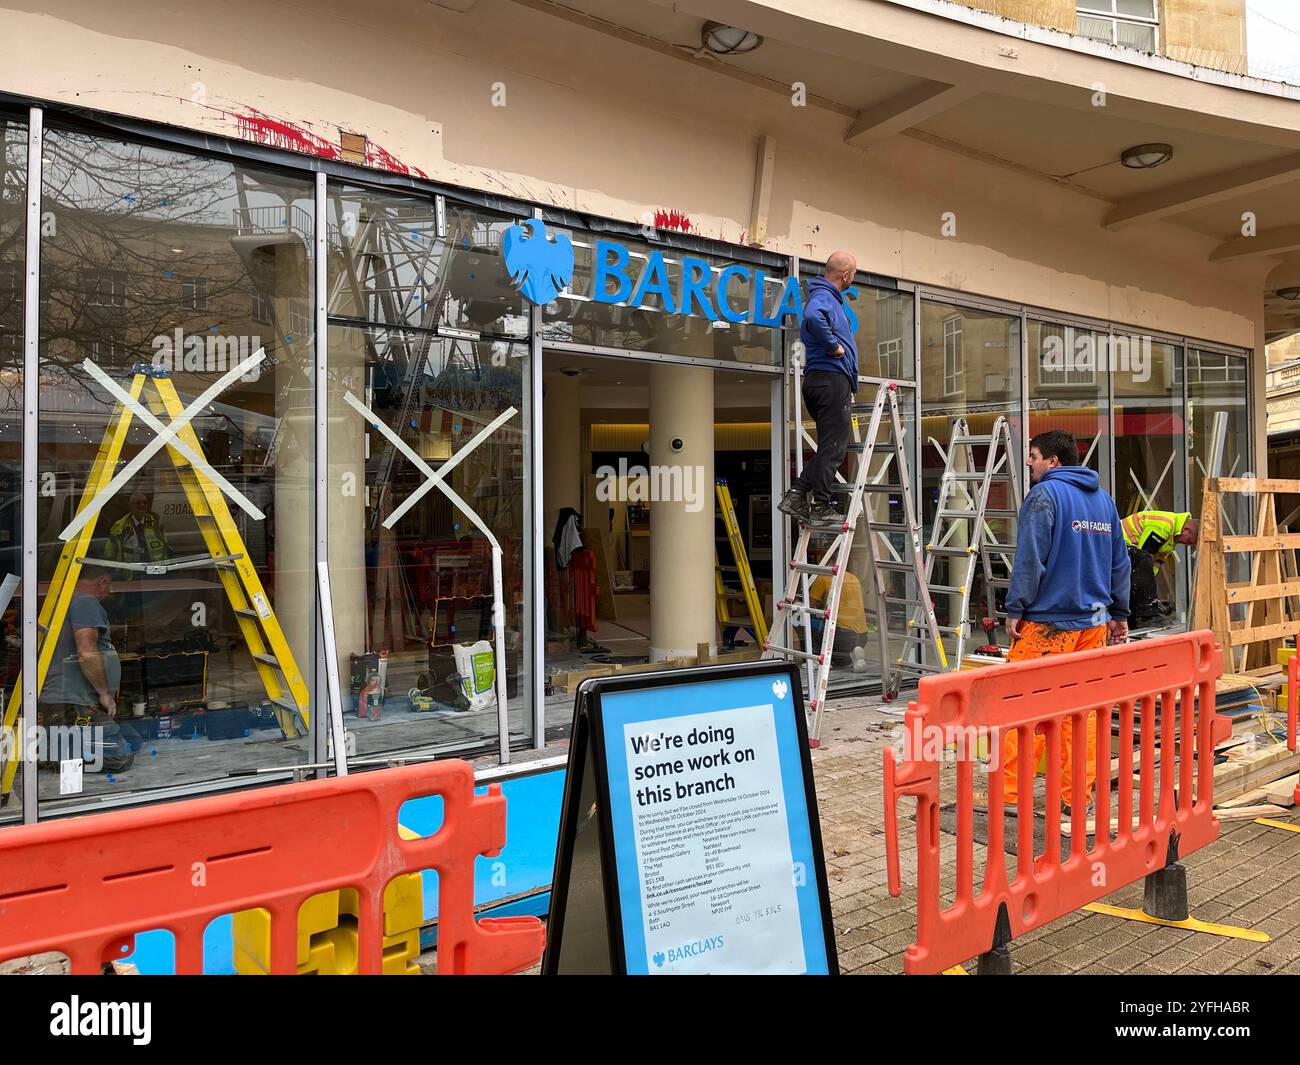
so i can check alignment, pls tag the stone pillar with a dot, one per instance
(346, 496)
(561, 448)
(683, 611)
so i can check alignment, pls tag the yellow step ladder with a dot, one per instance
(757, 615)
(284, 685)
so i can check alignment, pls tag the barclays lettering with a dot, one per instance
(541, 266)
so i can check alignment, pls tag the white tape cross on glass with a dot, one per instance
(167, 437)
(432, 476)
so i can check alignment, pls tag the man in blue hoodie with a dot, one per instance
(1069, 584)
(829, 381)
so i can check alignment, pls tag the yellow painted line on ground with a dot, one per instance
(1191, 924)
(1276, 824)
(956, 970)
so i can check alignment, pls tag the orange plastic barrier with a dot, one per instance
(1041, 695)
(84, 886)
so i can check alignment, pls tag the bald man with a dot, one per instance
(829, 381)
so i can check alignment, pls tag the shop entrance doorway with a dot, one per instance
(635, 543)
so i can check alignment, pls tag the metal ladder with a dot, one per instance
(962, 535)
(887, 561)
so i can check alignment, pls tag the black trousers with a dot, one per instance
(828, 395)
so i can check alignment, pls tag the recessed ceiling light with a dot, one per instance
(721, 39)
(1146, 156)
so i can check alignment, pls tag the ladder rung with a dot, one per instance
(872, 487)
(793, 653)
(946, 589)
(888, 527)
(954, 476)
(971, 440)
(859, 446)
(1000, 582)
(810, 567)
(269, 660)
(245, 612)
(916, 667)
(1002, 514)
(896, 567)
(954, 551)
(797, 608)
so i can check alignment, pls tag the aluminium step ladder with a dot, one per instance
(963, 539)
(884, 441)
(284, 684)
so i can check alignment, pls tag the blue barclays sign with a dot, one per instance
(541, 266)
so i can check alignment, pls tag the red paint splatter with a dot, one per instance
(279, 133)
(377, 156)
(263, 129)
(673, 220)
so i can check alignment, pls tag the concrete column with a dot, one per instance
(347, 495)
(295, 532)
(682, 605)
(561, 447)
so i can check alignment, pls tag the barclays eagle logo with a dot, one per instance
(540, 264)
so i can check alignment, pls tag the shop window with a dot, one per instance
(1068, 389)
(13, 194)
(209, 667)
(411, 568)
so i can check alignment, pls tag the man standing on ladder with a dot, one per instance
(829, 381)
(1069, 585)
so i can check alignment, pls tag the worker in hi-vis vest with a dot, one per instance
(1159, 532)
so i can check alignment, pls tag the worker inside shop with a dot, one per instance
(850, 621)
(1152, 538)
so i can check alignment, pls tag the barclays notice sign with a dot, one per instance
(541, 267)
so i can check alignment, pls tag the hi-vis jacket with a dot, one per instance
(1154, 531)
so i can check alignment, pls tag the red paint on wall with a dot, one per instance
(673, 220)
(261, 128)
(277, 133)
(377, 156)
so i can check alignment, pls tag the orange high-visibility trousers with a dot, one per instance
(1037, 640)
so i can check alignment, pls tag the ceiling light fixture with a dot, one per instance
(1146, 156)
(1289, 293)
(721, 39)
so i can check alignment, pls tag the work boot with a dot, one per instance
(794, 503)
(821, 513)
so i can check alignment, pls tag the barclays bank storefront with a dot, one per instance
(307, 435)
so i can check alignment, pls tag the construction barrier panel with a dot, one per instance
(1114, 686)
(86, 885)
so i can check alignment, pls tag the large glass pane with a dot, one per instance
(176, 309)
(1150, 441)
(648, 320)
(411, 565)
(13, 231)
(1068, 389)
(970, 369)
(1218, 391)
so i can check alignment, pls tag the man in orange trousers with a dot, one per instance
(1069, 586)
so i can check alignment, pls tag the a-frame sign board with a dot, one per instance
(689, 838)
